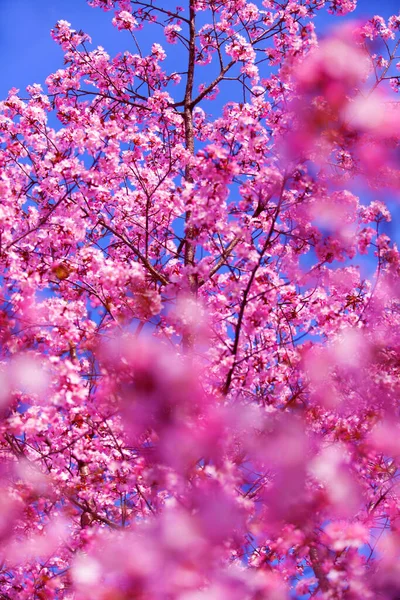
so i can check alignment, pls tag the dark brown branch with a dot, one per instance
(238, 328)
(190, 238)
(86, 509)
(156, 274)
(319, 573)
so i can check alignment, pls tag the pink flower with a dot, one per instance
(171, 33)
(124, 20)
(341, 535)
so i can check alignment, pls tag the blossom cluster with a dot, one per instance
(199, 316)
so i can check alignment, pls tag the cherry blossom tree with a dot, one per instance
(200, 315)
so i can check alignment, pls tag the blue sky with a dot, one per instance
(29, 54)
(27, 50)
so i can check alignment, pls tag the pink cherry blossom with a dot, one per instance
(199, 324)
